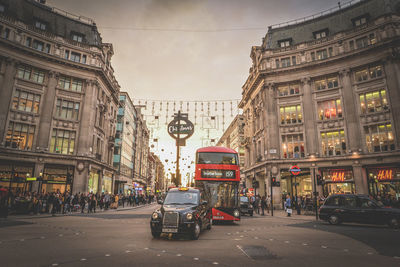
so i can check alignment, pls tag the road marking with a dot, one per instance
(127, 251)
(60, 235)
(324, 247)
(158, 255)
(255, 237)
(215, 263)
(271, 239)
(305, 244)
(396, 257)
(42, 237)
(287, 242)
(76, 233)
(83, 259)
(163, 251)
(370, 253)
(146, 248)
(196, 259)
(244, 252)
(241, 236)
(178, 255)
(54, 264)
(107, 255)
(22, 240)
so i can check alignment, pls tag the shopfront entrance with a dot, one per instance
(106, 185)
(384, 181)
(13, 176)
(93, 182)
(57, 178)
(297, 185)
(337, 181)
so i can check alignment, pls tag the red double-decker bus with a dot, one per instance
(217, 173)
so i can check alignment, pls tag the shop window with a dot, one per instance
(25, 101)
(47, 49)
(333, 143)
(330, 110)
(379, 138)
(291, 89)
(373, 102)
(67, 109)
(28, 73)
(62, 141)
(292, 146)
(20, 136)
(66, 54)
(291, 114)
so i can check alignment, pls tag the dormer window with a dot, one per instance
(285, 43)
(77, 37)
(321, 34)
(360, 20)
(41, 25)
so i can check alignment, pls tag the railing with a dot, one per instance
(320, 14)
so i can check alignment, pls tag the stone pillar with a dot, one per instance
(311, 140)
(39, 168)
(87, 119)
(350, 112)
(392, 70)
(360, 179)
(81, 177)
(6, 84)
(46, 113)
(272, 129)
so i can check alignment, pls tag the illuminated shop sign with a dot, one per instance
(338, 176)
(385, 174)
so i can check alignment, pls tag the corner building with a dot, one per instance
(58, 101)
(323, 94)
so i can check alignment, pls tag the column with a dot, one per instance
(392, 69)
(7, 85)
(309, 118)
(46, 114)
(350, 114)
(80, 180)
(39, 167)
(87, 118)
(272, 136)
(360, 179)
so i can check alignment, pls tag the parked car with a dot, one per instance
(359, 209)
(245, 206)
(184, 211)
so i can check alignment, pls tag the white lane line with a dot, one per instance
(54, 264)
(324, 247)
(241, 236)
(146, 248)
(178, 255)
(287, 242)
(396, 257)
(196, 259)
(215, 263)
(83, 259)
(60, 235)
(346, 250)
(127, 251)
(237, 239)
(271, 239)
(244, 252)
(163, 251)
(42, 237)
(370, 253)
(305, 244)
(255, 237)
(107, 255)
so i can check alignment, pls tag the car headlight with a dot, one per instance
(154, 215)
(189, 216)
(236, 213)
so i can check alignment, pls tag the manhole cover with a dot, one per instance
(257, 252)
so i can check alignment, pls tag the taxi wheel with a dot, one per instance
(155, 234)
(394, 223)
(334, 220)
(210, 224)
(196, 231)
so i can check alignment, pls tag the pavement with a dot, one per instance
(123, 238)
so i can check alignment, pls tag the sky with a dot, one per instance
(190, 50)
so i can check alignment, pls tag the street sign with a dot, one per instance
(295, 170)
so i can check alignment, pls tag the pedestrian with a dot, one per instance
(288, 205)
(263, 204)
(267, 202)
(82, 202)
(94, 203)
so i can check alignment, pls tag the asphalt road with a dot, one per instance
(123, 238)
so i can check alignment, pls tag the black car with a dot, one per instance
(184, 211)
(358, 209)
(245, 206)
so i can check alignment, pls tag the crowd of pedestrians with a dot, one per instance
(62, 203)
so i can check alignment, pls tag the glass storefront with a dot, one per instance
(296, 185)
(106, 184)
(384, 181)
(14, 176)
(337, 181)
(55, 179)
(93, 183)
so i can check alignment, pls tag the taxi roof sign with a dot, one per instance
(183, 189)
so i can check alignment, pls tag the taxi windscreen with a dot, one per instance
(181, 198)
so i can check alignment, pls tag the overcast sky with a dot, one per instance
(188, 58)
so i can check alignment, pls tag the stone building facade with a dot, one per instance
(58, 101)
(323, 95)
(141, 164)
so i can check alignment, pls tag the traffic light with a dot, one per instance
(273, 181)
(319, 179)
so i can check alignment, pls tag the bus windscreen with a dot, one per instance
(217, 158)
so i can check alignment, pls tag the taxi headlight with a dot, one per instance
(189, 216)
(236, 213)
(154, 215)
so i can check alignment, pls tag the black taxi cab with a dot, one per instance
(183, 211)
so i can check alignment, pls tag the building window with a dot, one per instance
(328, 83)
(294, 60)
(28, 73)
(25, 101)
(330, 110)
(47, 50)
(292, 89)
(285, 43)
(28, 41)
(84, 59)
(6, 33)
(66, 54)
(362, 42)
(351, 45)
(38, 45)
(40, 25)
(62, 141)
(67, 109)
(20, 136)
(361, 75)
(77, 37)
(372, 39)
(70, 84)
(322, 54)
(312, 56)
(373, 72)
(333, 143)
(373, 102)
(277, 63)
(291, 114)
(379, 138)
(321, 34)
(330, 51)
(285, 62)
(76, 57)
(292, 146)
(360, 20)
